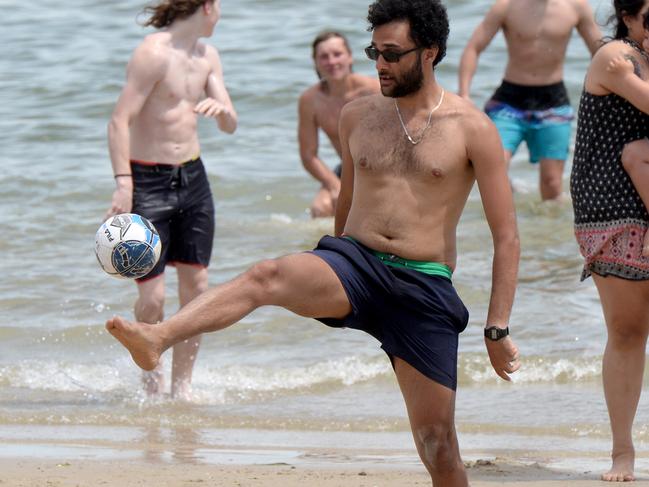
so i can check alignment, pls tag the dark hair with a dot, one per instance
(166, 12)
(645, 20)
(325, 36)
(427, 18)
(622, 9)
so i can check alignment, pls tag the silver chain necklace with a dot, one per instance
(430, 116)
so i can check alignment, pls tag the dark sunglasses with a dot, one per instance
(390, 56)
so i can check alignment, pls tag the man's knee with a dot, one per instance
(552, 183)
(551, 178)
(264, 279)
(439, 448)
(149, 306)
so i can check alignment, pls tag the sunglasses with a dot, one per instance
(390, 56)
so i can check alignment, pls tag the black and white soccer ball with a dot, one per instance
(127, 246)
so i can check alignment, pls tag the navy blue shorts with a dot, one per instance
(416, 317)
(178, 201)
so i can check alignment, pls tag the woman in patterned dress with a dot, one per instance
(611, 221)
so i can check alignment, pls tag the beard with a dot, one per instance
(409, 82)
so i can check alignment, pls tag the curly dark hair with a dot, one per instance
(427, 18)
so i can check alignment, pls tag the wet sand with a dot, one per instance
(33, 472)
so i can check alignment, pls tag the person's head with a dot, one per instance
(166, 12)
(410, 34)
(332, 55)
(628, 18)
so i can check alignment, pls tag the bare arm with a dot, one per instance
(308, 142)
(588, 28)
(478, 42)
(486, 153)
(630, 84)
(217, 104)
(345, 125)
(146, 67)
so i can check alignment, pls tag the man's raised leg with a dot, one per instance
(431, 410)
(302, 283)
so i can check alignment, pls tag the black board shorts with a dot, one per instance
(416, 316)
(177, 199)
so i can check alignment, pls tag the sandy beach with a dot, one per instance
(88, 457)
(81, 473)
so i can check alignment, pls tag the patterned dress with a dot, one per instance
(610, 217)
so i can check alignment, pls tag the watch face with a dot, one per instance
(494, 333)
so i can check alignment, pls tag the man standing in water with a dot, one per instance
(410, 159)
(172, 78)
(319, 108)
(532, 103)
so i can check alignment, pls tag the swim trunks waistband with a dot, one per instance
(425, 267)
(164, 165)
(529, 97)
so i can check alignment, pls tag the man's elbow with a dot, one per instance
(115, 126)
(509, 242)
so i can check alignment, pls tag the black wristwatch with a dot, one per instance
(494, 333)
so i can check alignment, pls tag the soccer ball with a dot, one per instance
(127, 246)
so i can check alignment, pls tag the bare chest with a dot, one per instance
(383, 148)
(185, 79)
(533, 20)
(327, 113)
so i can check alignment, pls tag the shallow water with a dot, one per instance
(62, 69)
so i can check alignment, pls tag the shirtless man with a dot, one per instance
(532, 104)
(319, 108)
(172, 78)
(410, 158)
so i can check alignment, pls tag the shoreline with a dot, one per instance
(31, 472)
(72, 456)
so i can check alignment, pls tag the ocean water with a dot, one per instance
(61, 70)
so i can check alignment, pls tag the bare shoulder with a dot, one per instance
(358, 108)
(472, 120)
(208, 51)
(152, 53)
(581, 6)
(308, 96)
(363, 82)
(611, 50)
(499, 8)
(155, 45)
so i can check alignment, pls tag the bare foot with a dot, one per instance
(622, 469)
(153, 381)
(140, 340)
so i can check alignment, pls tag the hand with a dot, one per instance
(333, 193)
(209, 107)
(122, 202)
(503, 355)
(619, 65)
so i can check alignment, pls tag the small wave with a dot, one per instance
(477, 369)
(212, 385)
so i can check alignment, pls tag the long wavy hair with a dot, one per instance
(164, 13)
(622, 9)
